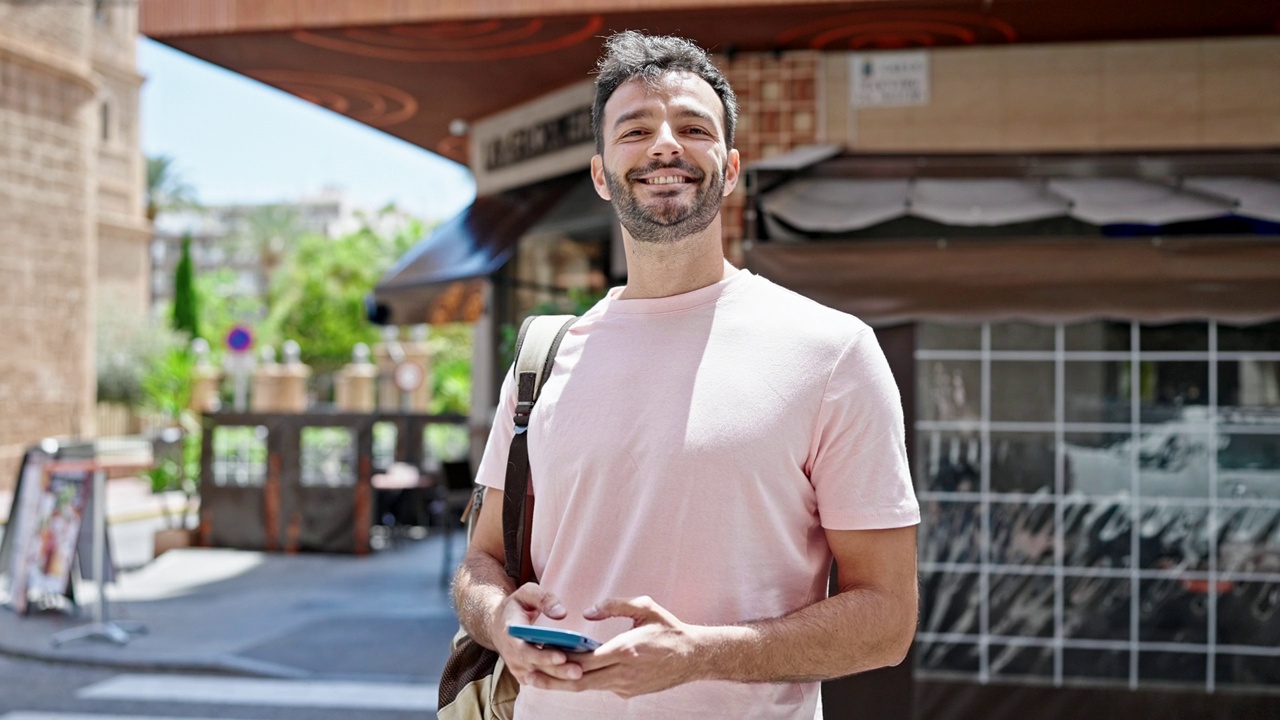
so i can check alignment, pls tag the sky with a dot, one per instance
(234, 139)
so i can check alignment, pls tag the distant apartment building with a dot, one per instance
(224, 236)
(250, 238)
(73, 235)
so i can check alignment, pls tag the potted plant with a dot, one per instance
(176, 467)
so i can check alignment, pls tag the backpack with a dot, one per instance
(475, 684)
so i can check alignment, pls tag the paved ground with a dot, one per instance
(386, 616)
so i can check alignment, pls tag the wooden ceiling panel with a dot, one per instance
(411, 79)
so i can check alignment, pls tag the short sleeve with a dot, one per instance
(493, 464)
(858, 460)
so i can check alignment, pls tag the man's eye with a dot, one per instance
(697, 131)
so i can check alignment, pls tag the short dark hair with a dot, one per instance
(631, 54)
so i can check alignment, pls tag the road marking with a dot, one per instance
(74, 716)
(250, 691)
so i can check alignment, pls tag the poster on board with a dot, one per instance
(22, 523)
(44, 529)
(61, 514)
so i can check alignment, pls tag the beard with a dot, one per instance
(666, 219)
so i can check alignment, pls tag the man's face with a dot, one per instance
(665, 165)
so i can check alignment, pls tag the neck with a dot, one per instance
(657, 270)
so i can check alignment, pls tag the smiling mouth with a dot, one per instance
(666, 180)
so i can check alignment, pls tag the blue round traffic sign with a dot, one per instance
(239, 339)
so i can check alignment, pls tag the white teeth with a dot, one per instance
(666, 180)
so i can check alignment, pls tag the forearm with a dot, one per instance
(479, 587)
(855, 631)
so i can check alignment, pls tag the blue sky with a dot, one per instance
(234, 139)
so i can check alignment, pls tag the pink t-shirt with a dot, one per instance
(692, 448)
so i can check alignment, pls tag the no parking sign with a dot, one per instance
(239, 339)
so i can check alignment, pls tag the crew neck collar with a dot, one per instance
(675, 303)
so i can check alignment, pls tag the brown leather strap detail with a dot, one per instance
(513, 500)
(516, 488)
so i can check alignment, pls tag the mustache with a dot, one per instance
(677, 164)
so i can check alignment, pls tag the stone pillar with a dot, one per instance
(355, 389)
(391, 355)
(291, 390)
(266, 383)
(205, 379)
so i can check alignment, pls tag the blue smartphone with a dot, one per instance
(552, 638)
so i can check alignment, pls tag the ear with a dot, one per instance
(597, 177)
(732, 170)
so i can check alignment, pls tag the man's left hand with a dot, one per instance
(658, 653)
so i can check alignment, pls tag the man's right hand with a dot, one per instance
(525, 660)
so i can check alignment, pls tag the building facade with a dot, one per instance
(1062, 220)
(73, 236)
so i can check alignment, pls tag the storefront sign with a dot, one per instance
(889, 79)
(533, 141)
(540, 139)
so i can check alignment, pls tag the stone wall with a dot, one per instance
(46, 257)
(55, 61)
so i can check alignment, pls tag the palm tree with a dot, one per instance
(268, 233)
(165, 188)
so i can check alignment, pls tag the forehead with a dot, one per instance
(673, 91)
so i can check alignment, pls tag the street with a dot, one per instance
(333, 653)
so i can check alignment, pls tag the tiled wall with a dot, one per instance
(778, 100)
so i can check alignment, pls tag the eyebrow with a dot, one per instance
(643, 113)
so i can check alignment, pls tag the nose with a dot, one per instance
(665, 144)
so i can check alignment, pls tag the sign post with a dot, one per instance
(240, 364)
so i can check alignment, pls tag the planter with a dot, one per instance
(173, 538)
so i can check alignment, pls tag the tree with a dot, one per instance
(185, 314)
(165, 188)
(317, 299)
(268, 234)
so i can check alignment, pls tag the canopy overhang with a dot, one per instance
(442, 278)
(1066, 280)
(411, 67)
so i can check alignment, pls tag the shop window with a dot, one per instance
(1100, 503)
(1101, 336)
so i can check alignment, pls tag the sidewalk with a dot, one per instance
(386, 616)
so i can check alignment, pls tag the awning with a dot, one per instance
(1028, 269)
(827, 205)
(442, 278)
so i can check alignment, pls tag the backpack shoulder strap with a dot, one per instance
(536, 348)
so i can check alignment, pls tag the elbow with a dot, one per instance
(899, 643)
(897, 652)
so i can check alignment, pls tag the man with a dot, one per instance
(705, 445)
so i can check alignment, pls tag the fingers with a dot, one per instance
(640, 609)
(598, 680)
(533, 599)
(531, 662)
